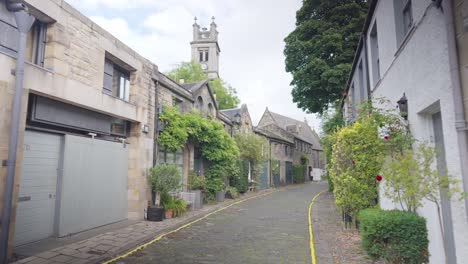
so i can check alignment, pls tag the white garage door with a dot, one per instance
(38, 184)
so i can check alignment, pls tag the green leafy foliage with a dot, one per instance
(226, 95)
(410, 178)
(395, 236)
(298, 173)
(240, 180)
(332, 121)
(178, 206)
(359, 151)
(253, 149)
(164, 178)
(216, 145)
(232, 191)
(213, 185)
(196, 182)
(356, 160)
(320, 50)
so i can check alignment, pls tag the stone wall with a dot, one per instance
(73, 73)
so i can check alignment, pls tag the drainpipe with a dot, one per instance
(366, 58)
(156, 125)
(460, 121)
(24, 22)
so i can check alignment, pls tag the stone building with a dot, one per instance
(240, 118)
(86, 130)
(205, 48)
(292, 142)
(417, 50)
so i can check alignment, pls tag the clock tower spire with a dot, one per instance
(205, 48)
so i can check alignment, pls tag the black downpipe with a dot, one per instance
(364, 40)
(156, 124)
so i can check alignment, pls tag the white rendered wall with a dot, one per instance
(420, 69)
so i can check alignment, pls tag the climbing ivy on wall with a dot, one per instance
(216, 146)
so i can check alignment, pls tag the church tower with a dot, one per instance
(205, 48)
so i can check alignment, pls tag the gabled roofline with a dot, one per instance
(174, 86)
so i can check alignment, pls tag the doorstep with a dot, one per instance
(102, 243)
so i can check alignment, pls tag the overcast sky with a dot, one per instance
(251, 34)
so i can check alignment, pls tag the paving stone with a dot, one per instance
(25, 260)
(76, 246)
(79, 261)
(83, 255)
(103, 247)
(62, 259)
(68, 251)
(48, 254)
(38, 261)
(273, 229)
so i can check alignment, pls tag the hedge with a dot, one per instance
(395, 236)
(241, 181)
(298, 173)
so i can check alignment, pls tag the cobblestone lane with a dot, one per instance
(270, 229)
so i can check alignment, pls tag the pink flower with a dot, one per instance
(378, 178)
(386, 137)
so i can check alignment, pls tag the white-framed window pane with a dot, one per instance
(121, 92)
(127, 90)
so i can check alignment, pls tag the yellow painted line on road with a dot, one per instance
(185, 226)
(311, 232)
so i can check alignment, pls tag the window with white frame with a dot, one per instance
(116, 81)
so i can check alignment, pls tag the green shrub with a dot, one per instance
(240, 181)
(164, 178)
(180, 207)
(298, 173)
(233, 192)
(395, 236)
(196, 182)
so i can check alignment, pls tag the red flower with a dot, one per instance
(353, 162)
(378, 178)
(385, 137)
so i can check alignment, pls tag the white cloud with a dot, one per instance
(251, 42)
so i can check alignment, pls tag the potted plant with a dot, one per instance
(231, 192)
(197, 185)
(169, 209)
(163, 178)
(180, 207)
(215, 187)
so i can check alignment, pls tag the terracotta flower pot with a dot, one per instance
(168, 213)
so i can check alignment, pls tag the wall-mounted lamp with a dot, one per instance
(403, 106)
(145, 129)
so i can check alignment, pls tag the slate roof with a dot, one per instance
(305, 132)
(231, 112)
(272, 135)
(192, 87)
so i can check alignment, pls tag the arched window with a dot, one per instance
(210, 110)
(199, 104)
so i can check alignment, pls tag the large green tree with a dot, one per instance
(226, 95)
(320, 51)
